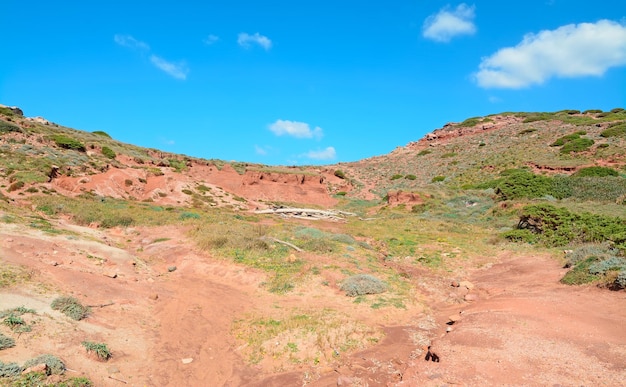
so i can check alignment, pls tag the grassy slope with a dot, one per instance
(451, 233)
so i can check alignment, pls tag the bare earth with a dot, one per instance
(174, 328)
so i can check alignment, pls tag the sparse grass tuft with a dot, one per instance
(99, 349)
(71, 307)
(6, 342)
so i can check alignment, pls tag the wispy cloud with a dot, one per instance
(326, 154)
(130, 42)
(211, 39)
(570, 51)
(449, 23)
(295, 129)
(177, 70)
(246, 40)
(259, 150)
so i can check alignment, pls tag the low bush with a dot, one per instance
(554, 226)
(396, 176)
(577, 145)
(6, 342)
(340, 174)
(101, 350)
(108, 152)
(55, 365)
(8, 370)
(101, 133)
(424, 152)
(595, 172)
(6, 127)
(438, 179)
(68, 143)
(362, 284)
(70, 307)
(410, 177)
(615, 130)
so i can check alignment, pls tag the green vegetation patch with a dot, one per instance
(557, 226)
(304, 337)
(360, 284)
(108, 152)
(65, 142)
(595, 172)
(101, 350)
(6, 127)
(615, 130)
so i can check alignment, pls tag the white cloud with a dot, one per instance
(447, 24)
(326, 154)
(211, 39)
(295, 129)
(260, 150)
(130, 42)
(177, 70)
(246, 40)
(573, 50)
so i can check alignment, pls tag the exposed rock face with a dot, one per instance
(401, 197)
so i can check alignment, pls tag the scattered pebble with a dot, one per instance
(171, 268)
(187, 360)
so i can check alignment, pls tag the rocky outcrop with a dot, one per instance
(402, 197)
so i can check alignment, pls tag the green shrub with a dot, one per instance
(424, 152)
(615, 130)
(410, 177)
(340, 174)
(592, 111)
(116, 220)
(341, 193)
(100, 349)
(554, 226)
(71, 307)
(448, 155)
(6, 127)
(55, 365)
(9, 370)
(600, 251)
(68, 143)
(579, 274)
(438, 179)
(595, 171)
(188, 215)
(565, 139)
(396, 176)
(6, 342)
(101, 133)
(108, 152)
(361, 284)
(16, 323)
(577, 145)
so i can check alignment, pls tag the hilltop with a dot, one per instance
(201, 270)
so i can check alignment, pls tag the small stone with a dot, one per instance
(187, 360)
(171, 268)
(467, 284)
(455, 284)
(154, 296)
(449, 329)
(471, 297)
(344, 381)
(111, 274)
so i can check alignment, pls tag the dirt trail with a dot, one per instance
(173, 328)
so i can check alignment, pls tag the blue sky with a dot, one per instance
(304, 82)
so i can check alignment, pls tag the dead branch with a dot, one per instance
(101, 305)
(281, 242)
(119, 380)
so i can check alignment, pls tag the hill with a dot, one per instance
(191, 271)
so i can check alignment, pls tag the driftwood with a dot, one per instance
(119, 380)
(307, 213)
(282, 243)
